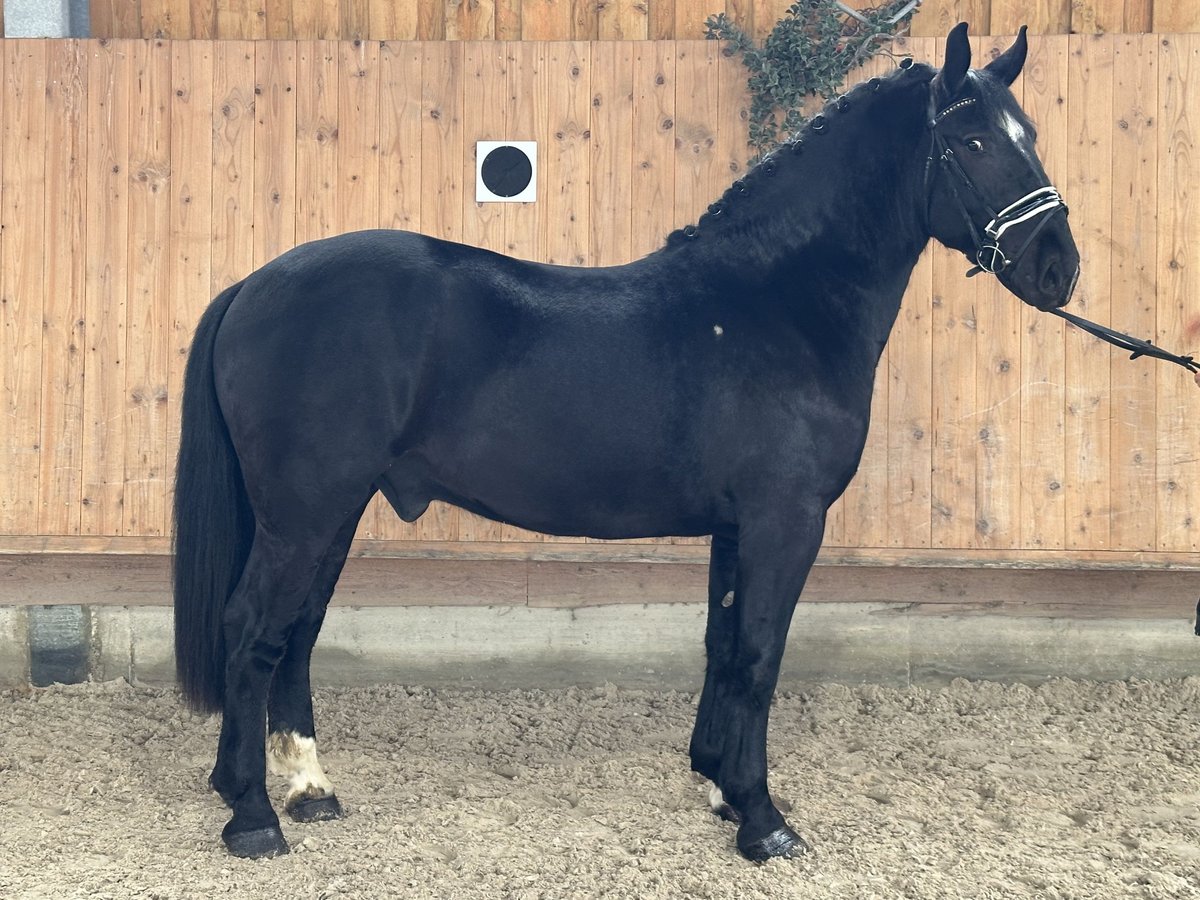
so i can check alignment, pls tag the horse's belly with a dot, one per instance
(562, 487)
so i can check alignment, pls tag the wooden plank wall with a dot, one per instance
(589, 20)
(159, 172)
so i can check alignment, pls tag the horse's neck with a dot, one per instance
(837, 255)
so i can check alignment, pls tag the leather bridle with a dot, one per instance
(1043, 202)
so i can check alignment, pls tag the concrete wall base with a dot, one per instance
(653, 645)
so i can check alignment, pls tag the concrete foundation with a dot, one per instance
(655, 645)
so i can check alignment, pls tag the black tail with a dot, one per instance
(214, 524)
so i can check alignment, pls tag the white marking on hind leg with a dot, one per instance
(295, 757)
(720, 806)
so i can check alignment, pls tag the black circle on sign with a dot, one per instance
(506, 171)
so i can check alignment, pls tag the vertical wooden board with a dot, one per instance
(431, 20)
(233, 163)
(358, 136)
(526, 94)
(653, 146)
(391, 21)
(1043, 399)
(622, 20)
(612, 148)
(909, 415)
(63, 335)
(355, 20)
(109, 77)
(443, 176)
(241, 20)
(660, 20)
(508, 20)
(698, 179)
(741, 12)
(997, 422)
(935, 18)
(1133, 285)
(1042, 16)
(545, 20)
(191, 210)
(1089, 186)
(316, 139)
(278, 24)
(565, 154)
(22, 224)
(316, 20)
(690, 16)
(953, 324)
(484, 119)
(166, 19)
(1176, 16)
(204, 19)
(766, 14)
(147, 469)
(443, 163)
(274, 211)
(1139, 17)
(100, 18)
(116, 18)
(400, 135)
(733, 116)
(585, 20)
(1178, 286)
(470, 20)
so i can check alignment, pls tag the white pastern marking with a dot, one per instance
(716, 799)
(295, 757)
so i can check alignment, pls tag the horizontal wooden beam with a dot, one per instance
(144, 580)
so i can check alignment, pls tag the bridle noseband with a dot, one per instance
(1044, 201)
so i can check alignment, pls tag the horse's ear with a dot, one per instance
(1007, 66)
(958, 59)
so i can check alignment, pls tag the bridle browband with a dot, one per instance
(1045, 201)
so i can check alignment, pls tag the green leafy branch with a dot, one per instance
(807, 54)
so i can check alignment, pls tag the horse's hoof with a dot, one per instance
(780, 843)
(315, 809)
(260, 843)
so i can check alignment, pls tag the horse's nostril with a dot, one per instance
(1051, 278)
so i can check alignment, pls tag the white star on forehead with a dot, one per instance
(1013, 128)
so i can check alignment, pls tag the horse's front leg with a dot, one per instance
(746, 643)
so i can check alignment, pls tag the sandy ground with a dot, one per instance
(1068, 790)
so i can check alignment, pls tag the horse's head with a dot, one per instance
(988, 194)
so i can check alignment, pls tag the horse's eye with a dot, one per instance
(974, 146)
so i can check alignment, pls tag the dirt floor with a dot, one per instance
(1068, 790)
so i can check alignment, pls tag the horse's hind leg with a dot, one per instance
(291, 738)
(720, 637)
(259, 620)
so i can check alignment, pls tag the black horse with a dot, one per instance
(719, 386)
